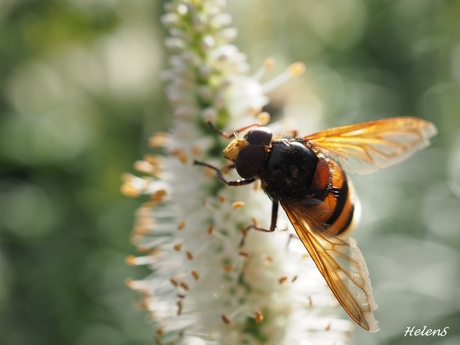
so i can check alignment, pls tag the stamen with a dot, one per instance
(143, 249)
(264, 118)
(282, 280)
(178, 247)
(259, 317)
(159, 196)
(127, 189)
(131, 260)
(209, 172)
(140, 260)
(296, 69)
(293, 71)
(269, 63)
(210, 229)
(196, 151)
(145, 167)
(181, 225)
(267, 66)
(226, 168)
(180, 154)
(195, 275)
(228, 268)
(222, 199)
(244, 253)
(179, 308)
(145, 226)
(138, 233)
(133, 186)
(267, 259)
(159, 139)
(153, 159)
(142, 304)
(226, 319)
(189, 256)
(145, 210)
(238, 204)
(138, 285)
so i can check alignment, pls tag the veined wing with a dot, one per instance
(367, 146)
(340, 262)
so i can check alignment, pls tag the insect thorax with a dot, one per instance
(288, 170)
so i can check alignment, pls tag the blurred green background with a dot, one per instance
(80, 93)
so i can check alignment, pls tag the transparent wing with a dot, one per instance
(340, 262)
(367, 146)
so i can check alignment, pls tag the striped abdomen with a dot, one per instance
(335, 190)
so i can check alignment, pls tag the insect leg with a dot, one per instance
(221, 176)
(227, 135)
(275, 205)
(272, 228)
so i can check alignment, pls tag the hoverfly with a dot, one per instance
(307, 176)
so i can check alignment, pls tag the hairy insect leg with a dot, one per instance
(220, 175)
(229, 135)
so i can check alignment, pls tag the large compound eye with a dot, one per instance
(250, 161)
(259, 136)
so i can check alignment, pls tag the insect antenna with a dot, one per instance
(234, 133)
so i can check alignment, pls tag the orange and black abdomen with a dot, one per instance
(331, 186)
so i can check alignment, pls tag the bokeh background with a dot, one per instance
(80, 93)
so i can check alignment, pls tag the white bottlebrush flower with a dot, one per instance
(205, 287)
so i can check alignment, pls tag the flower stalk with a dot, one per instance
(206, 287)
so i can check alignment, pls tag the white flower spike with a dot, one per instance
(205, 288)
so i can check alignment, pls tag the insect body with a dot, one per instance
(306, 175)
(293, 173)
